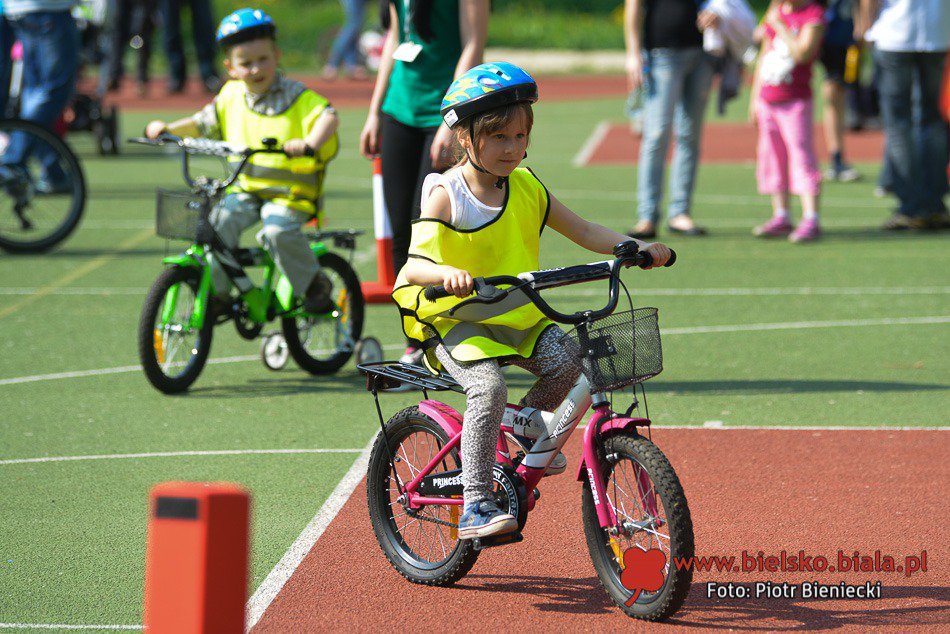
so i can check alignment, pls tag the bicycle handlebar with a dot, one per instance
(487, 291)
(209, 147)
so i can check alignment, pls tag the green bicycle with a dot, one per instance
(179, 315)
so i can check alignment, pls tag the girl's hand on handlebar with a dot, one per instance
(659, 251)
(457, 281)
(154, 129)
(295, 147)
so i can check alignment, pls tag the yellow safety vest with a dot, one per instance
(508, 245)
(295, 182)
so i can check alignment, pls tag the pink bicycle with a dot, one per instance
(632, 499)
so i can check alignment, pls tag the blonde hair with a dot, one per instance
(489, 122)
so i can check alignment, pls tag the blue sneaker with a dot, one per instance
(485, 518)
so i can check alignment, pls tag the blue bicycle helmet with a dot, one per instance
(485, 87)
(244, 25)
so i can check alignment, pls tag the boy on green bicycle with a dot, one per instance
(282, 191)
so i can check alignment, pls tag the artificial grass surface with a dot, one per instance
(72, 533)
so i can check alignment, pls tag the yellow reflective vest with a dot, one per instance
(295, 182)
(507, 245)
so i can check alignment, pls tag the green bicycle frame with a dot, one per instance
(259, 300)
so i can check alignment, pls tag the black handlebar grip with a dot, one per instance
(433, 293)
(645, 259)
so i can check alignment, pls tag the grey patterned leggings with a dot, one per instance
(554, 363)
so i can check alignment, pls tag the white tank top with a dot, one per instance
(468, 212)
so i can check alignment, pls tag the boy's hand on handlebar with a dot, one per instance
(154, 129)
(295, 147)
(457, 281)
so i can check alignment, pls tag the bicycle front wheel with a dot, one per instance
(652, 514)
(42, 188)
(321, 344)
(420, 544)
(172, 350)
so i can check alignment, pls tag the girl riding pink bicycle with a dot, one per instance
(483, 219)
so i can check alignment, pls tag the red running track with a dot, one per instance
(752, 490)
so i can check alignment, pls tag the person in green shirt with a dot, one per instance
(429, 43)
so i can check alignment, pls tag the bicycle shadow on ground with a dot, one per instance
(780, 386)
(811, 615)
(282, 385)
(553, 594)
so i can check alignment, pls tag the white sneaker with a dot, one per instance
(412, 356)
(557, 466)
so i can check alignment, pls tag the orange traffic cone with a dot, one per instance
(379, 292)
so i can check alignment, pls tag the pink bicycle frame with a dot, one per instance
(550, 431)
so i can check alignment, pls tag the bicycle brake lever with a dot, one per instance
(489, 293)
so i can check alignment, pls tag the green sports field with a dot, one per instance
(850, 331)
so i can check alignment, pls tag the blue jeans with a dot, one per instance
(915, 133)
(344, 50)
(50, 61)
(675, 95)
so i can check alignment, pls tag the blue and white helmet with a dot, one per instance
(485, 87)
(243, 23)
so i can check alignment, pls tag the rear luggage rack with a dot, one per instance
(394, 376)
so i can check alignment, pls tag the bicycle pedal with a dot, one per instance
(481, 543)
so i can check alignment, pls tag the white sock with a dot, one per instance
(813, 215)
(780, 213)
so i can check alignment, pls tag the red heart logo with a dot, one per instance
(642, 570)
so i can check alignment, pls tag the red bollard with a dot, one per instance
(379, 292)
(196, 558)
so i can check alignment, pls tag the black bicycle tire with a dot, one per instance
(667, 485)
(71, 221)
(460, 562)
(333, 363)
(153, 304)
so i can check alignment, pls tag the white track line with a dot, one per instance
(176, 454)
(845, 323)
(58, 626)
(590, 145)
(277, 577)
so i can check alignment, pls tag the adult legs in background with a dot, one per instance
(171, 39)
(914, 156)
(676, 92)
(404, 151)
(50, 59)
(117, 38)
(405, 162)
(345, 49)
(688, 121)
(202, 32)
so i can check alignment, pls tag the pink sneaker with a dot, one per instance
(807, 231)
(776, 227)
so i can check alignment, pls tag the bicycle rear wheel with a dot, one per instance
(321, 344)
(417, 544)
(648, 500)
(42, 188)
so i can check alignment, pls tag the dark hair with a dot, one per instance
(261, 32)
(419, 14)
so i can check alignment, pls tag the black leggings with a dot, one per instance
(406, 162)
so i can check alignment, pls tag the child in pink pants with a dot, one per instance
(781, 106)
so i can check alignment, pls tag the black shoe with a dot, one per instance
(903, 222)
(176, 86)
(317, 299)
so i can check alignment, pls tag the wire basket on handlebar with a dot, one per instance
(622, 349)
(178, 215)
